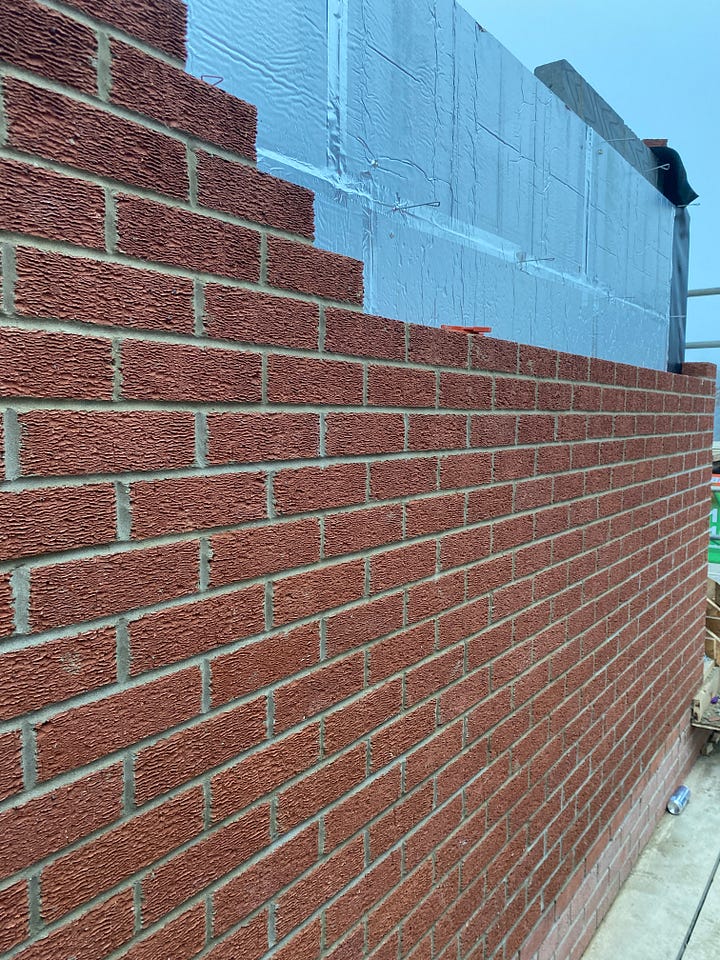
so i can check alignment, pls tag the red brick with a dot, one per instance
(245, 554)
(57, 442)
(464, 768)
(572, 367)
(362, 335)
(487, 353)
(419, 845)
(493, 430)
(107, 860)
(465, 470)
(186, 504)
(349, 908)
(531, 494)
(463, 843)
(537, 428)
(462, 696)
(94, 730)
(425, 915)
(537, 362)
(356, 434)
(254, 437)
(88, 589)
(319, 886)
(390, 656)
(513, 464)
(256, 885)
(191, 752)
(61, 518)
(249, 941)
(46, 42)
(401, 735)
(553, 458)
(298, 266)
(346, 818)
(358, 718)
(179, 101)
(554, 396)
(398, 905)
(258, 318)
(51, 672)
(405, 565)
(433, 514)
(463, 622)
(110, 294)
(258, 774)
(351, 947)
(160, 24)
(464, 547)
(6, 605)
(429, 677)
(489, 575)
(393, 479)
(182, 938)
(53, 821)
(11, 777)
(427, 759)
(84, 137)
(315, 692)
(311, 380)
(15, 910)
(705, 370)
(205, 862)
(355, 628)
(34, 363)
(259, 664)
(155, 232)
(437, 432)
(321, 787)
(316, 488)
(512, 532)
(304, 946)
(172, 635)
(308, 593)
(510, 599)
(362, 530)
(246, 192)
(401, 387)
(46, 204)
(439, 348)
(180, 373)
(465, 391)
(92, 936)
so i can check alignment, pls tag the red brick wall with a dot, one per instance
(322, 636)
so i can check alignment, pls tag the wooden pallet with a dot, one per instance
(705, 713)
(712, 622)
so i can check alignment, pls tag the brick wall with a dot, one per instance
(322, 635)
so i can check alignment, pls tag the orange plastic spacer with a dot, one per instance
(479, 330)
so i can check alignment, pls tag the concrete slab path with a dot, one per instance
(669, 907)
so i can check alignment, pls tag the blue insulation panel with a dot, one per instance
(470, 191)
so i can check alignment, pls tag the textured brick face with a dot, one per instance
(45, 204)
(321, 632)
(151, 87)
(52, 285)
(69, 132)
(44, 41)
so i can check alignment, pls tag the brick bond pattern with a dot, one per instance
(323, 636)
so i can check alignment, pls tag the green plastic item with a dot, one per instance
(714, 551)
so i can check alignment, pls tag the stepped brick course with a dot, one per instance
(322, 637)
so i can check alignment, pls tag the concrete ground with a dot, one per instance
(669, 907)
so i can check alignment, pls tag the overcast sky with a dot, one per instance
(658, 65)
